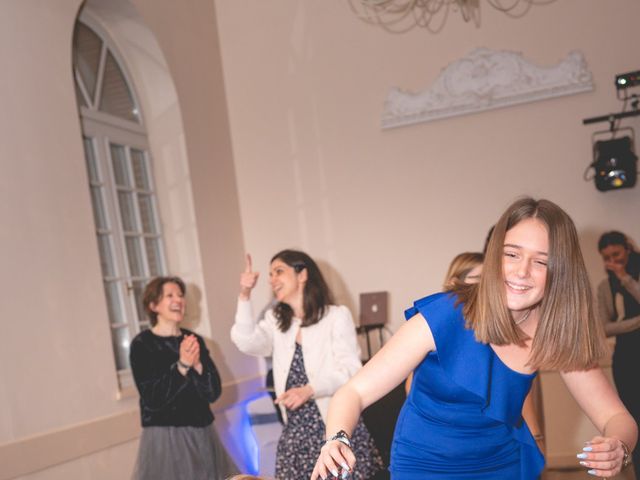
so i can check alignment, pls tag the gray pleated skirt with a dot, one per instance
(176, 453)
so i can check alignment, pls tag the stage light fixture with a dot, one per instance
(626, 80)
(615, 163)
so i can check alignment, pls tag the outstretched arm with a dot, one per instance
(603, 455)
(388, 368)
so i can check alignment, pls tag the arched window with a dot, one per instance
(120, 177)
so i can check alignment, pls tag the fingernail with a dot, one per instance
(587, 443)
(345, 467)
(345, 474)
(581, 455)
(584, 464)
(334, 473)
(587, 449)
(591, 472)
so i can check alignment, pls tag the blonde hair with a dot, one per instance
(460, 267)
(568, 336)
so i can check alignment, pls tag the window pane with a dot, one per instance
(140, 173)
(116, 97)
(106, 256)
(90, 157)
(86, 48)
(134, 255)
(119, 160)
(114, 305)
(138, 290)
(99, 213)
(146, 213)
(154, 256)
(120, 338)
(127, 213)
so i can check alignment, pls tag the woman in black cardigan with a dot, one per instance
(177, 380)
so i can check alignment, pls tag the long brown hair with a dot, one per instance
(568, 336)
(316, 296)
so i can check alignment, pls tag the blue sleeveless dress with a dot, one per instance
(462, 418)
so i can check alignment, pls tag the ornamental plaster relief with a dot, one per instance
(486, 79)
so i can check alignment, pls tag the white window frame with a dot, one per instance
(102, 130)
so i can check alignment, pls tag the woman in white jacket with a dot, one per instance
(315, 351)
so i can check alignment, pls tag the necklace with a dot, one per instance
(524, 317)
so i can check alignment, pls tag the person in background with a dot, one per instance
(177, 380)
(619, 311)
(475, 352)
(315, 351)
(466, 268)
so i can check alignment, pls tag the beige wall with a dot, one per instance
(301, 161)
(388, 209)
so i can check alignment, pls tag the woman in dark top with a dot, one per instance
(177, 380)
(619, 310)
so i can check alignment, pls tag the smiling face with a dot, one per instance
(524, 265)
(171, 306)
(615, 256)
(286, 283)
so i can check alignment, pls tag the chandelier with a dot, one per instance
(399, 16)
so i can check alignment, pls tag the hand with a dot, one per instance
(294, 398)
(190, 351)
(336, 460)
(618, 269)
(603, 456)
(248, 279)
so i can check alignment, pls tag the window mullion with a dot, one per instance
(100, 76)
(82, 87)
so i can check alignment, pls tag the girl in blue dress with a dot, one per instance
(475, 351)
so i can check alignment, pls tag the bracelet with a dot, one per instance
(183, 365)
(626, 459)
(342, 437)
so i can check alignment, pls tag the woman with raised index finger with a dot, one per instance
(315, 351)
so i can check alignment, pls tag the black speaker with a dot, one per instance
(615, 164)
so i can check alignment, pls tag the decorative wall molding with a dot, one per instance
(486, 79)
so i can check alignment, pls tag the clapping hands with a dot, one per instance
(190, 352)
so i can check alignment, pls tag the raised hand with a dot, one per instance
(248, 279)
(619, 269)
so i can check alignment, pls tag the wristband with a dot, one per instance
(183, 365)
(342, 437)
(626, 459)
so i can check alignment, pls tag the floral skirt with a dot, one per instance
(303, 436)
